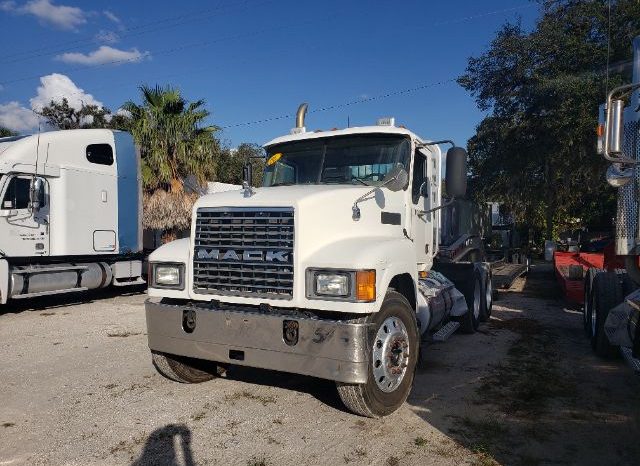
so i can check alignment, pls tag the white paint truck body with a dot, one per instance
(327, 271)
(70, 212)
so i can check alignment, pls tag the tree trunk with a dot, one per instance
(550, 203)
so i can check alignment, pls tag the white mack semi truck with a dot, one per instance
(330, 269)
(70, 212)
(612, 299)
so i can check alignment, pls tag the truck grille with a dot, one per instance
(244, 252)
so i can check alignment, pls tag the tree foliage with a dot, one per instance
(535, 151)
(173, 140)
(5, 132)
(61, 115)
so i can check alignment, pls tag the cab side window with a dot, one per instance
(101, 154)
(17, 194)
(419, 175)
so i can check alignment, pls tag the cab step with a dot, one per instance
(446, 331)
(627, 354)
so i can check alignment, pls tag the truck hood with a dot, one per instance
(323, 213)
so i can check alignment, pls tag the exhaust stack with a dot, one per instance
(300, 114)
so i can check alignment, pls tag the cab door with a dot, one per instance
(422, 223)
(24, 228)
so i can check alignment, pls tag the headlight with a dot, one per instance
(332, 284)
(167, 276)
(341, 285)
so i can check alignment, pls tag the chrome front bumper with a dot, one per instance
(328, 349)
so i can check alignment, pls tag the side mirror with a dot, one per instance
(456, 176)
(396, 179)
(36, 193)
(615, 127)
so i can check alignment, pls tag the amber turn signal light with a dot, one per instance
(366, 285)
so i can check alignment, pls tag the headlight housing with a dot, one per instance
(167, 275)
(341, 285)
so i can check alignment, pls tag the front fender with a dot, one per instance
(174, 251)
(388, 256)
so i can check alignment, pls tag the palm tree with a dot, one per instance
(173, 144)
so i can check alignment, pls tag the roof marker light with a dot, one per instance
(388, 121)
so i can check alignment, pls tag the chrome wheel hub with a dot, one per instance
(390, 354)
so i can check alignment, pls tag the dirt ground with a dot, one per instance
(77, 387)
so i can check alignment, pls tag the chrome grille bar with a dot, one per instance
(244, 252)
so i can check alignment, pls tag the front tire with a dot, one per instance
(393, 344)
(487, 299)
(182, 369)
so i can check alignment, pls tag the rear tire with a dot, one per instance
(472, 292)
(182, 369)
(487, 299)
(606, 293)
(586, 308)
(392, 364)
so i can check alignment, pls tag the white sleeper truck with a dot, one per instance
(70, 212)
(328, 270)
(612, 299)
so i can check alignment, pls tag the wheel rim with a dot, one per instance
(489, 294)
(390, 354)
(476, 300)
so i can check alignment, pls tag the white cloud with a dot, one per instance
(58, 86)
(17, 118)
(123, 112)
(52, 87)
(110, 15)
(110, 37)
(104, 54)
(60, 16)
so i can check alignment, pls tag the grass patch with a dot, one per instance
(393, 461)
(199, 416)
(420, 442)
(258, 461)
(528, 378)
(247, 395)
(47, 314)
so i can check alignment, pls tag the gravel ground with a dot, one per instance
(78, 387)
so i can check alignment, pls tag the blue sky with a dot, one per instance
(254, 59)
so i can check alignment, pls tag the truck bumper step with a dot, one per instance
(446, 331)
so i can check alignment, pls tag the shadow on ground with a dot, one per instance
(43, 303)
(168, 445)
(529, 390)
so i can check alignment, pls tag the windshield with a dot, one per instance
(361, 159)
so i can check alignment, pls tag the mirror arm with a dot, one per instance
(422, 213)
(355, 209)
(606, 154)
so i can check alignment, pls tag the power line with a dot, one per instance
(173, 21)
(206, 43)
(327, 108)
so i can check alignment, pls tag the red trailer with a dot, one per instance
(571, 268)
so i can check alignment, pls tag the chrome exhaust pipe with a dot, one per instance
(300, 114)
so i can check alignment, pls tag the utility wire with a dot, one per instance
(173, 21)
(206, 43)
(327, 108)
